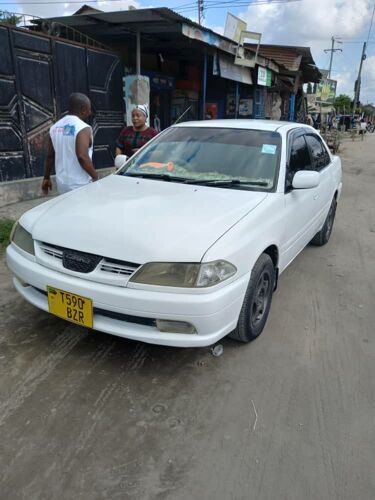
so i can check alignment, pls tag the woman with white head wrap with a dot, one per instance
(134, 137)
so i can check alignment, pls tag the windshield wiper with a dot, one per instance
(203, 182)
(163, 177)
(228, 182)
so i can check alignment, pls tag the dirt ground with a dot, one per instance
(84, 415)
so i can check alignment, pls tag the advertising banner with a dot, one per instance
(326, 91)
(233, 27)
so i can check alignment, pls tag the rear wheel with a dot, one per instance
(324, 234)
(257, 302)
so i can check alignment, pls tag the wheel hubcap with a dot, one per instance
(261, 298)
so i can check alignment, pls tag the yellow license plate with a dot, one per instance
(70, 306)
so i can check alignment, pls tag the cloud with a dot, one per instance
(66, 9)
(310, 20)
(217, 29)
(311, 23)
(368, 80)
(345, 83)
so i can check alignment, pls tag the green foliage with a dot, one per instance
(9, 18)
(5, 229)
(343, 103)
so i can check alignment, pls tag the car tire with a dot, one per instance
(257, 301)
(322, 237)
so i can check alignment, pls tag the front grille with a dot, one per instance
(83, 262)
(52, 250)
(118, 267)
(80, 262)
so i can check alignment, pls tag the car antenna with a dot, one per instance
(183, 114)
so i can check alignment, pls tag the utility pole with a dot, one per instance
(200, 11)
(357, 86)
(332, 50)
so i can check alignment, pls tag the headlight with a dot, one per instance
(22, 238)
(184, 275)
(212, 273)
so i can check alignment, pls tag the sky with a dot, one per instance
(309, 23)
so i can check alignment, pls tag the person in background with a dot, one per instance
(362, 127)
(134, 137)
(69, 148)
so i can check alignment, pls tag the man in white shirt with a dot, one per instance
(70, 145)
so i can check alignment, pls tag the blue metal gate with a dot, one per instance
(260, 103)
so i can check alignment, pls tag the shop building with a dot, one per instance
(191, 68)
(285, 96)
(190, 72)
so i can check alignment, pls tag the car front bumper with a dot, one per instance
(213, 314)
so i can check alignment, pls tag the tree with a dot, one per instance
(343, 103)
(8, 18)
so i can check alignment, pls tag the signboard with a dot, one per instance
(264, 77)
(231, 71)
(247, 58)
(233, 27)
(245, 106)
(158, 81)
(326, 91)
(201, 35)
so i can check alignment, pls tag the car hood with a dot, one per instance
(141, 220)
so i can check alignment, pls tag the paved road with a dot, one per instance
(84, 415)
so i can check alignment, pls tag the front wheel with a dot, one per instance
(257, 302)
(322, 237)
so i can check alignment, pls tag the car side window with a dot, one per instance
(319, 153)
(299, 159)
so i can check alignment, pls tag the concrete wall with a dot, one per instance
(29, 189)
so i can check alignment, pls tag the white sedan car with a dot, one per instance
(185, 243)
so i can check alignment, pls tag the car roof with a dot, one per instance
(267, 125)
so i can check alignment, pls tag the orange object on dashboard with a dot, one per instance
(153, 164)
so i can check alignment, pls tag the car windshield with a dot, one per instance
(222, 157)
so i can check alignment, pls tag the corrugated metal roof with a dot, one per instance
(293, 59)
(286, 56)
(156, 21)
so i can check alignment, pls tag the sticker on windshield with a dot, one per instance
(269, 149)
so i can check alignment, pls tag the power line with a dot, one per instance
(184, 7)
(57, 1)
(232, 3)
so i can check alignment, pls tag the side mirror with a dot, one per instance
(120, 161)
(306, 179)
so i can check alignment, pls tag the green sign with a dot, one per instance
(264, 77)
(326, 91)
(269, 78)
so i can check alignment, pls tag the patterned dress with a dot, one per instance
(130, 139)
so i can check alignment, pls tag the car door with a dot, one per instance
(301, 206)
(321, 161)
